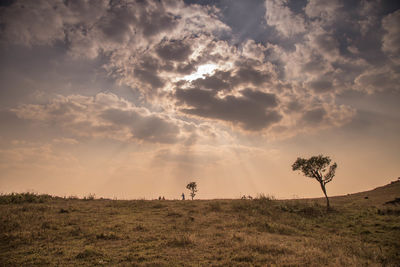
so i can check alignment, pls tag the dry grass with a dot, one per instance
(71, 232)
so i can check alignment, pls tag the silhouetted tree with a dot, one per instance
(193, 188)
(317, 167)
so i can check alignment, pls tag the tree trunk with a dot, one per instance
(326, 196)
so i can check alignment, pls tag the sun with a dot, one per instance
(202, 70)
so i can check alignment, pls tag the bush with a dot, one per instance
(28, 197)
(264, 197)
(89, 197)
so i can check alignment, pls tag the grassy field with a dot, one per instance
(361, 230)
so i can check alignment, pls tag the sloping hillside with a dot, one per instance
(376, 197)
(359, 231)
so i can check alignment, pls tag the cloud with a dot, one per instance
(391, 38)
(311, 52)
(220, 80)
(64, 140)
(175, 50)
(147, 127)
(247, 74)
(340, 48)
(325, 11)
(278, 14)
(252, 110)
(19, 157)
(320, 86)
(91, 27)
(310, 116)
(31, 23)
(149, 77)
(104, 115)
(378, 80)
(314, 116)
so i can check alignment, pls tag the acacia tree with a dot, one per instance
(193, 188)
(316, 167)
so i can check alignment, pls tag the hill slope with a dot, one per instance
(71, 232)
(376, 197)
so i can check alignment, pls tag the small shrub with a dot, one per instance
(63, 211)
(140, 228)
(89, 197)
(28, 197)
(264, 197)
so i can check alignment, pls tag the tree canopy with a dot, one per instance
(192, 186)
(317, 167)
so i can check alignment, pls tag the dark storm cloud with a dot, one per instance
(149, 77)
(220, 80)
(253, 111)
(247, 74)
(227, 80)
(147, 72)
(175, 50)
(261, 98)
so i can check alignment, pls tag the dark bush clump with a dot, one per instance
(28, 197)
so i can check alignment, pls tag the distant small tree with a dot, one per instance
(193, 188)
(316, 167)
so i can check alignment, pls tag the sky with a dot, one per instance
(135, 99)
